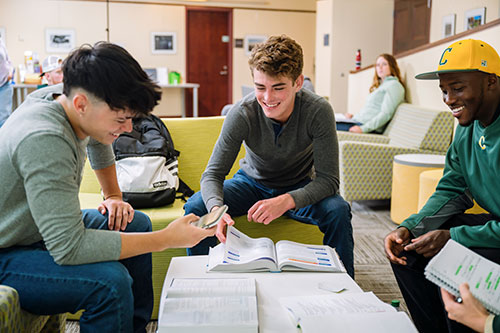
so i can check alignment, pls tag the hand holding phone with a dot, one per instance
(211, 219)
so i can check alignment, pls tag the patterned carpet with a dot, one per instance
(371, 222)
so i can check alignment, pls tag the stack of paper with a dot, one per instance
(353, 312)
(210, 305)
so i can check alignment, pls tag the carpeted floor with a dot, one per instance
(371, 222)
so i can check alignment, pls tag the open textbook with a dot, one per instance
(351, 312)
(244, 254)
(456, 264)
(210, 305)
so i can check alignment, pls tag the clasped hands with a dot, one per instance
(263, 211)
(428, 244)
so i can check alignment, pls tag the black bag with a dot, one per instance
(146, 165)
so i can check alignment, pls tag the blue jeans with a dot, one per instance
(6, 92)
(116, 296)
(346, 126)
(332, 214)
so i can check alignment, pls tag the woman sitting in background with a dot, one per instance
(386, 93)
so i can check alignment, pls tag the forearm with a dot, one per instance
(134, 244)
(109, 182)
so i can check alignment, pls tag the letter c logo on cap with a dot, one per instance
(444, 61)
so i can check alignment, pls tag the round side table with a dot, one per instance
(405, 182)
(428, 183)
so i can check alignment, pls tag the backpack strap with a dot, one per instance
(184, 190)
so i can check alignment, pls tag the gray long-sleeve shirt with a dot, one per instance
(41, 163)
(307, 146)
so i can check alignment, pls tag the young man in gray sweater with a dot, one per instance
(291, 165)
(59, 258)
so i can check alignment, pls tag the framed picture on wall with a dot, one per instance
(59, 40)
(474, 18)
(449, 25)
(2, 35)
(252, 40)
(163, 42)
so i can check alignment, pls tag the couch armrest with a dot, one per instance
(367, 137)
(366, 169)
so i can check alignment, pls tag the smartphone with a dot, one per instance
(211, 219)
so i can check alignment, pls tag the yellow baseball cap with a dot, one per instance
(466, 56)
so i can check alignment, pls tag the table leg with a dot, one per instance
(183, 103)
(195, 102)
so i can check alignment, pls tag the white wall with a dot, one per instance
(131, 22)
(355, 24)
(441, 8)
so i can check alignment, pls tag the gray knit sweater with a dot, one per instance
(41, 163)
(307, 146)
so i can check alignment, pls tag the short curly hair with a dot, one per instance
(278, 56)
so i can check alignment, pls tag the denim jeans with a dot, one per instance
(332, 214)
(6, 92)
(116, 296)
(346, 126)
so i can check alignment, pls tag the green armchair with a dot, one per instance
(366, 159)
(13, 319)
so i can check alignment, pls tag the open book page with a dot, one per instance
(297, 256)
(456, 264)
(341, 118)
(381, 322)
(187, 308)
(301, 307)
(242, 253)
(207, 287)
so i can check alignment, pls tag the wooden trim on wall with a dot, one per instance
(447, 40)
(202, 5)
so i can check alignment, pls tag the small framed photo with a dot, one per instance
(2, 35)
(474, 18)
(252, 40)
(163, 43)
(449, 25)
(59, 40)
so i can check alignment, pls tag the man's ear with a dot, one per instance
(299, 82)
(80, 103)
(492, 81)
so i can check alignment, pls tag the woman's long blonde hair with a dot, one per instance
(393, 66)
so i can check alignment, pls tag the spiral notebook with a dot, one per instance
(456, 264)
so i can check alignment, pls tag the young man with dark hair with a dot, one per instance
(59, 258)
(291, 165)
(468, 74)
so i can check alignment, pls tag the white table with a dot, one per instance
(183, 87)
(270, 287)
(21, 91)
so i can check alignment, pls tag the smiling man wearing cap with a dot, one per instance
(468, 74)
(52, 71)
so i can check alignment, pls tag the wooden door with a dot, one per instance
(412, 21)
(209, 58)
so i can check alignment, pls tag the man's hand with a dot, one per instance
(355, 129)
(348, 115)
(470, 312)
(394, 244)
(120, 213)
(430, 243)
(181, 233)
(265, 211)
(221, 226)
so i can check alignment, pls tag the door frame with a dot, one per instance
(229, 45)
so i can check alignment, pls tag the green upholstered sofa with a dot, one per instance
(366, 159)
(13, 319)
(195, 138)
